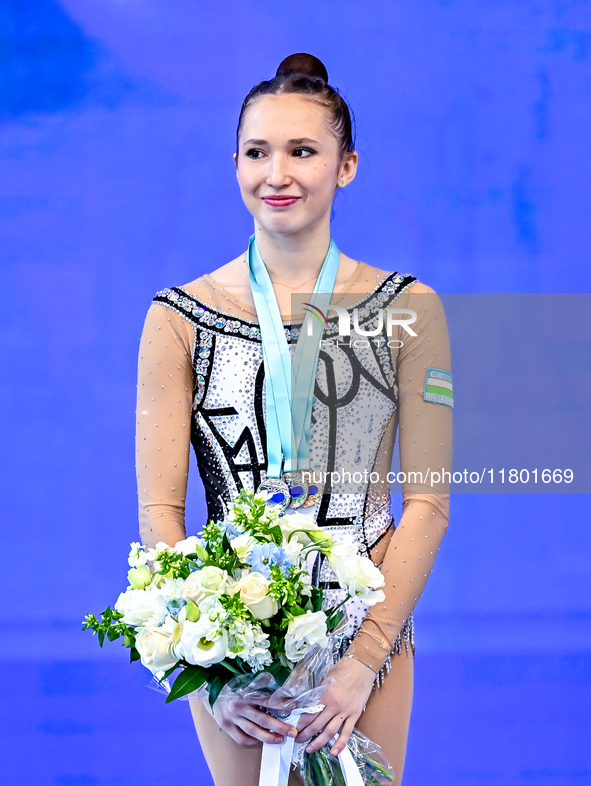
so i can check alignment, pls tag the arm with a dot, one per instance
(425, 444)
(425, 447)
(163, 425)
(164, 408)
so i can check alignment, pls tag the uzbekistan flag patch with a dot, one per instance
(439, 387)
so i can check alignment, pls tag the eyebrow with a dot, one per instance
(300, 141)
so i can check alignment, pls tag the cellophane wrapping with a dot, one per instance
(304, 689)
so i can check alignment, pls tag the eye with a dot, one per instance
(303, 152)
(254, 154)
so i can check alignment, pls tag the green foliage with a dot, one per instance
(191, 678)
(173, 564)
(111, 627)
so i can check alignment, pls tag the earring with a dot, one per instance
(342, 182)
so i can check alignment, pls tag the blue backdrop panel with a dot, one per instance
(117, 125)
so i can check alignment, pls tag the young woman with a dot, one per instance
(202, 380)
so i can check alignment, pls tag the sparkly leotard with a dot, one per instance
(201, 382)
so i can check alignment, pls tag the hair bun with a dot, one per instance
(302, 63)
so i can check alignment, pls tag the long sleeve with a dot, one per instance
(163, 424)
(425, 436)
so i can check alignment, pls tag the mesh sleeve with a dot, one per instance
(425, 436)
(163, 425)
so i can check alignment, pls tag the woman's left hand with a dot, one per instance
(343, 701)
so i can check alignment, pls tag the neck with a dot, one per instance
(293, 258)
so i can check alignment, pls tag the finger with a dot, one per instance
(270, 722)
(306, 719)
(343, 739)
(326, 735)
(318, 723)
(241, 737)
(258, 732)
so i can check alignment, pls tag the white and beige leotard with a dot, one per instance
(201, 384)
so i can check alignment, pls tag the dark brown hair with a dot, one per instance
(306, 75)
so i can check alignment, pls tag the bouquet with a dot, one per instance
(234, 609)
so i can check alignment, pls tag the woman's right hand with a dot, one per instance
(246, 724)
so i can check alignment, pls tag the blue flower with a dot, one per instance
(174, 605)
(264, 555)
(230, 529)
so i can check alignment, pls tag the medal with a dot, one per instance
(298, 488)
(288, 416)
(277, 491)
(314, 494)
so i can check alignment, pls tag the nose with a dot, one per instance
(278, 174)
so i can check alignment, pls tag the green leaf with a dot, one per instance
(191, 678)
(231, 666)
(333, 622)
(133, 655)
(112, 634)
(216, 685)
(276, 534)
(168, 672)
(101, 636)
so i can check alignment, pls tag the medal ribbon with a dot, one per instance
(288, 421)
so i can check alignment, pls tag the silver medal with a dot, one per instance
(298, 487)
(277, 491)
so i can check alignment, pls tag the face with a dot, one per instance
(288, 164)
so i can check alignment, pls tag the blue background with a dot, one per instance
(117, 124)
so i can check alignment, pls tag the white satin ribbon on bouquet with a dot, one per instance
(276, 759)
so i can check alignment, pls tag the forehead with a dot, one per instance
(277, 118)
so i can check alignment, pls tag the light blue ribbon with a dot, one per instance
(288, 419)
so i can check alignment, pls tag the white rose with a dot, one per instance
(188, 546)
(359, 576)
(302, 632)
(253, 589)
(202, 643)
(141, 607)
(153, 645)
(243, 545)
(205, 582)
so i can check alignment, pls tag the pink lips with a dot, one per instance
(280, 201)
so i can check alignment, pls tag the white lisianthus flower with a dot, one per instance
(358, 575)
(253, 588)
(243, 545)
(303, 632)
(137, 556)
(202, 643)
(311, 533)
(346, 547)
(141, 607)
(205, 582)
(188, 545)
(154, 646)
